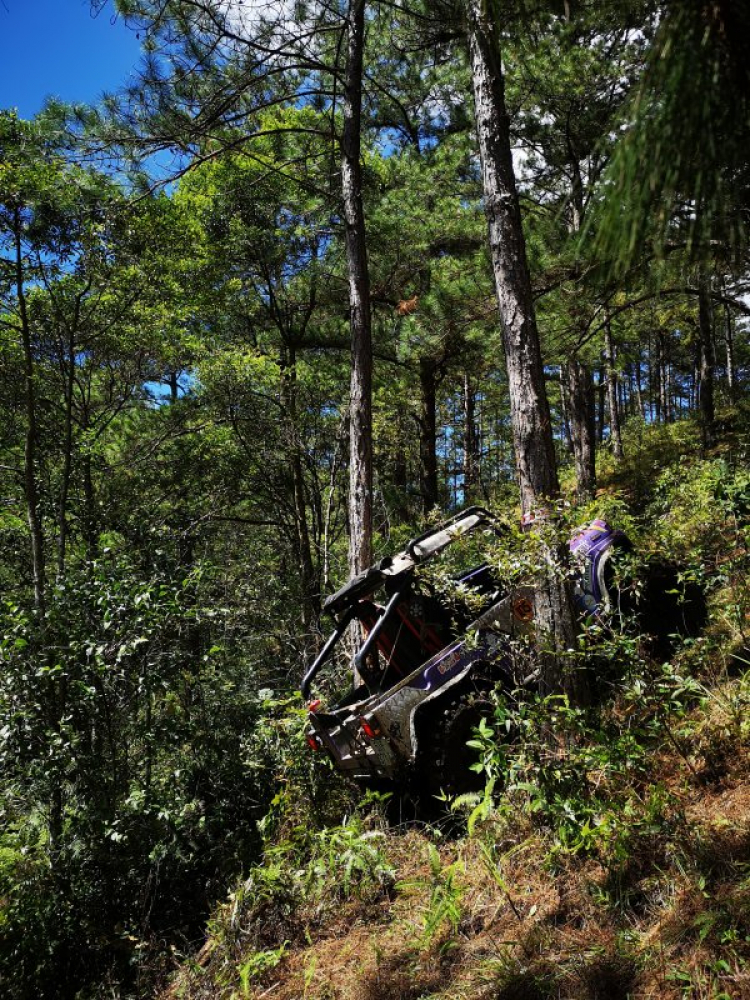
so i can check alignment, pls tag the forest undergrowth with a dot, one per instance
(609, 854)
(307, 283)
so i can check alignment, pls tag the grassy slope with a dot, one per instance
(638, 887)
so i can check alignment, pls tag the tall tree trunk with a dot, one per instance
(428, 471)
(62, 505)
(614, 410)
(706, 396)
(309, 588)
(31, 486)
(729, 343)
(663, 376)
(470, 444)
(565, 412)
(360, 396)
(530, 416)
(529, 407)
(601, 409)
(581, 397)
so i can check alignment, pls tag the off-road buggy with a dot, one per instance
(428, 662)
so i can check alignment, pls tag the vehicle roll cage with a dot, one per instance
(396, 571)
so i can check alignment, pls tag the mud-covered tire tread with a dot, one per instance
(443, 759)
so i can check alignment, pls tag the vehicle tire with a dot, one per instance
(666, 609)
(443, 764)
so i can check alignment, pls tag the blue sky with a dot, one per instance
(56, 48)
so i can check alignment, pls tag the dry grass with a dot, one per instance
(670, 921)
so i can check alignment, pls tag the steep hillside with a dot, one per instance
(610, 854)
(660, 909)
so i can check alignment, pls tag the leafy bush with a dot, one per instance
(443, 912)
(583, 776)
(126, 803)
(302, 878)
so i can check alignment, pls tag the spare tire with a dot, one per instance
(666, 607)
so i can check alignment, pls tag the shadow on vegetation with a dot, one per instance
(609, 976)
(407, 977)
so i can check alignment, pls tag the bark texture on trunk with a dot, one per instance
(706, 362)
(471, 442)
(31, 486)
(614, 409)
(428, 471)
(360, 396)
(529, 407)
(530, 415)
(581, 407)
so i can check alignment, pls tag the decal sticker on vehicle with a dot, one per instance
(523, 609)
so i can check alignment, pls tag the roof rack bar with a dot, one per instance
(377, 628)
(417, 551)
(323, 655)
(445, 533)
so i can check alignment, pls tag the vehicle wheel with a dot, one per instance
(667, 608)
(444, 760)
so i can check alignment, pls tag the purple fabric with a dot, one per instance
(589, 544)
(593, 538)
